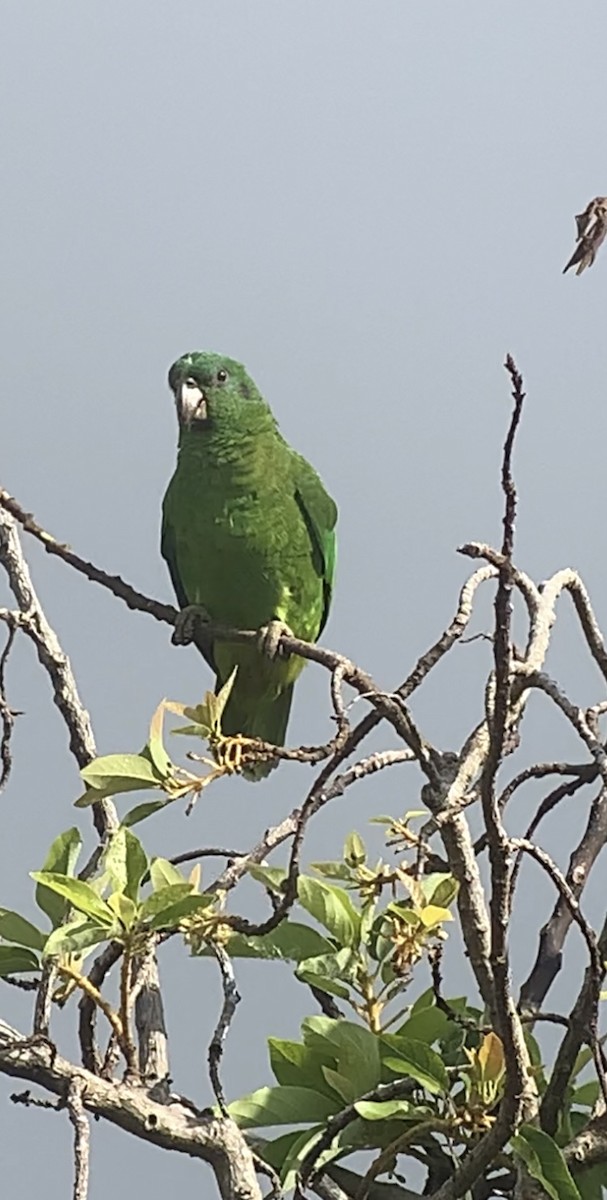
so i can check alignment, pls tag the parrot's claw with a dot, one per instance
(270, 637)
(229, 750)
(187, 624)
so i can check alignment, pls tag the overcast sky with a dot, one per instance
(368, 204)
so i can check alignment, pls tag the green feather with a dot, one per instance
(248, 532)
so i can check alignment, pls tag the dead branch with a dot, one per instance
(215, 1140)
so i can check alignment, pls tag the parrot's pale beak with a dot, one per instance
(191, 403)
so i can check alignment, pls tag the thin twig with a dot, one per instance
(23, 985)
(127, 1043)
(206, 852)
(597, 966)
(231, 999)
(318, 796)
(552, 935)
(30, 1101)
(7, 716)
(569, 897)
(400, 1089)
(88, 1008)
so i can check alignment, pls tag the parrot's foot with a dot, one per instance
(229, 751)
(269, 639)
(187, 623)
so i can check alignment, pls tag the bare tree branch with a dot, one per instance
(7, 716)
(215, 1140)
(231, 998)
(65, 692)
(149, 1021)
(80, 1123)
(581, 1029)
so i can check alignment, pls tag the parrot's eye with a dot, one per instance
(222, 376)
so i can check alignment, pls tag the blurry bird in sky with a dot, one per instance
(591, 231)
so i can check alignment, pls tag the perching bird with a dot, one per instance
(591, 231)
(248, 534)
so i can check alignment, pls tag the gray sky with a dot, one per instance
(368, 205)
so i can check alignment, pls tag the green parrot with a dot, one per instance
(248, 534)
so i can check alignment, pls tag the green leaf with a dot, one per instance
(334, 870)
(223, 695)
(15, 928)
(75, 937)
(207, 715)
(137, 769)
(126, 862)
(14, 959)
(367, 918)
(331, 907)
(350, 1049)
(141, 811)
(61, 859)
(286, 1153)
(440, 889)
(136, 864)
(425, 1000)
(582, 1059)
(591, 1183)
(341, 1084)
(427, 1025)
(545, 1162)
(296, 1065)
(275, 1150)
(270, 1106)
(358, 1055)
(355, 854)
(271, 877)
(290, 941)
(115, 774)
(382, 1110)
(587, 1094)
(155, 747)
(317, 1033)
(116, 787)
(166, 908)
(63, 852)
(164, 898)
(163, 874)
(169, 918)
(79, 894)
(417, 1061)
(124, 908)
(114, 859)
(337, 967)
(325, 984)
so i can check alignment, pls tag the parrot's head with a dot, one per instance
(211, 390)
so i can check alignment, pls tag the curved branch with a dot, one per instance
(32, 620)
(174, 1126)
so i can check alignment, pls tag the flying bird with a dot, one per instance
(591, 231)
(248, 535)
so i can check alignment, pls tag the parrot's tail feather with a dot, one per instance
(265, 719)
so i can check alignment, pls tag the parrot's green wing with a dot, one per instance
(320, 515)
(167, 549)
